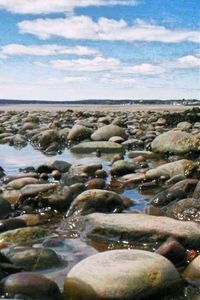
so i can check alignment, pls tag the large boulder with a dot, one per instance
(106, 132)
(139, 229)
(95, 200)
(122, 274)
(104, 147)
(122, 167)
(175, 141)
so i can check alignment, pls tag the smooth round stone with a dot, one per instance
(121, 274)
(31, 259)
(32, 285)
(5, 207)
(106, 132)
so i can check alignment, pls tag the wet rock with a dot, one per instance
(19, 141)
(192, 272)
(106, 132)
(104, 147)
(132, 178)
(31, 259)
(124, 274)
(136, 229)
(56, 174)
(12, 223)
(145, 154)
(184, 210)
(31, 285)
(79, 133)
(9, 178)
(180, 167)
(46, 138)
(60, 165)
(173, 250)
(34, 189)
(116, 139)
(165, 197)
(60, 198)
(186, 185)
(175, 141)
(122, 167)
(23, 235)
(90, 169)
(95, 201)
(196, 194)
(21, 182)
(96, 183)
(5, 207)
(2, 173)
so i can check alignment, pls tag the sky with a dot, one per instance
(99, 49)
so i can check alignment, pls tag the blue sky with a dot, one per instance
(117, 49)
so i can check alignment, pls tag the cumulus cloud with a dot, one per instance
(55, 6)
(189, 61)
(45, 50)
(96, 64)
(99, 64)
(83, 27)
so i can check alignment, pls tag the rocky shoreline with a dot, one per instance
(69, 231)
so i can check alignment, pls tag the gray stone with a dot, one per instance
(175, 141)
(106, 132)
(140, 228)
(95, 200)
(104, 147)
(122, 274)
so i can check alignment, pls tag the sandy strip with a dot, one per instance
(128, 108)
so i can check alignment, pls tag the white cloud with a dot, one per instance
(99, 63)
(45, 50)
(67, 79)
(55, 6)
(96, 64)
(189, 61)
(83, 27)
(113, 79)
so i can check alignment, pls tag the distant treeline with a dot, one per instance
(103, 102)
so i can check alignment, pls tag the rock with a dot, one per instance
(12, 223)
(180, 167)
(192, 272)
(90, 169)
(96, 183)
(139, 229)
(89, 147)
(186, 185)
(122, 167)
(121, 274)
(5, 207)
(184, 210)
(19, 141)
(79, 133)
(132, 178)
(106, 132)
(173, 250)
(31, 259)
(184, 125)
(95, 201)
(34, 189)
(145, 154)
(167, 196)
(21, 182)
(31, 285)
(196, 194)
(175, 141)
(22, 235)
(60, 165)
(45, 138)
(116, 139)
